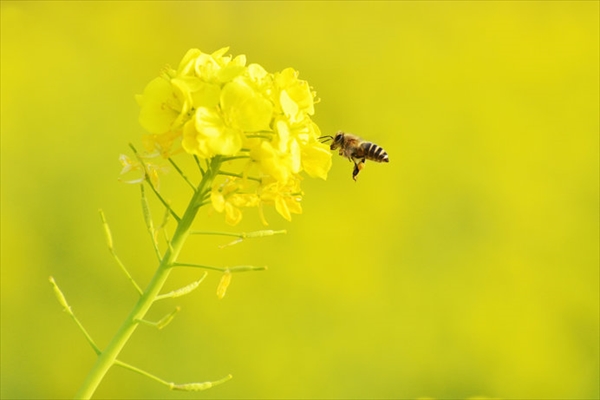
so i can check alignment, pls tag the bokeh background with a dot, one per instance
(467, 266)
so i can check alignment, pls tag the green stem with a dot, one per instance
(236, 268)
(144, 373)
(241, 235)
(239, 176)
(109, 355)
(181, 173)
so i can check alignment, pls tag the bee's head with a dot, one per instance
(336, 141)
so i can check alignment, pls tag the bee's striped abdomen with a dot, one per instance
(374, 152)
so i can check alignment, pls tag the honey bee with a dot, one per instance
(356, 150)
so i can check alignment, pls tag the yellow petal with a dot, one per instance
(186, 65)
(288, 105)
(218, 200)
(224, 284)
(246, 109)
(316, 160)
(159, 107)
(232, 214)
(282, 208)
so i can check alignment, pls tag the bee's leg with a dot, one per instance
(358, 166)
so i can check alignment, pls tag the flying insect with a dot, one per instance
(356, 150)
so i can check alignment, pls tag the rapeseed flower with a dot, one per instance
(250, 135)
(214, 105)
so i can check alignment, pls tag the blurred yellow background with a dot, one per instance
(467, 266)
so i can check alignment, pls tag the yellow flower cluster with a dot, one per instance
(216, 105)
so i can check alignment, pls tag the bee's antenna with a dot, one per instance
(326, 138)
